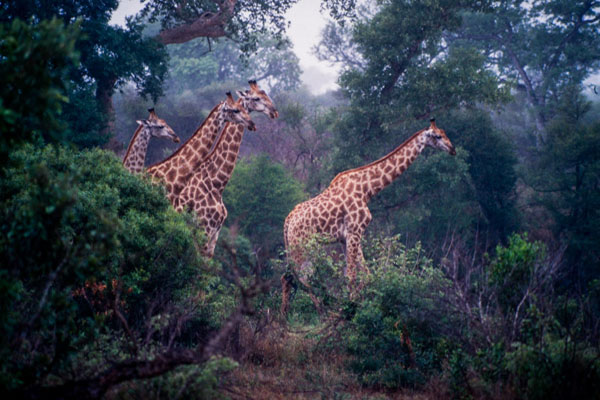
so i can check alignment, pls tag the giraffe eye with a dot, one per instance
(235, 111)
(438, 137)
(256, 99)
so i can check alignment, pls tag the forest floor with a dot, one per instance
(295, 363)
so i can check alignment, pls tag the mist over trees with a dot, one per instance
(484, 267)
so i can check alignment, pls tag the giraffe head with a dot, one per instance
(234, 111)
(436, 138)
(256, 99)
(158, 127)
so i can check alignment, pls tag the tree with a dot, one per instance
(109, 56)
(566, 178)
(542, 46)
(33, 72)
(101, 282)
(408, 74)
(196, 64)
(492, 163)
(259, 196)
(242, 20)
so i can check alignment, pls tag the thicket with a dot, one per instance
(97, 267)
(492, 330)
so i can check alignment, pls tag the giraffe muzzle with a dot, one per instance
(251, 126)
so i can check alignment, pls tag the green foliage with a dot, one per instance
(566, 179)
(109, 56)
(33, 73)
(196, 64)
(82, 241)
(513, 268)
(249, 20)
(397, 329)
(492, 161)
(558, 369)
(198, 382)
(407, 73)
(553, 355)
(85, 118)
(544, 46)
(259, 196)
(555, 358)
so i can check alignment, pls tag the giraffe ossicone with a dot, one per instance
(341, 211)
(135, 157)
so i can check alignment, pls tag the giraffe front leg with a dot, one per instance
(209, 248)
(287, 284)
(211, 243)
(354, 260)
(287, 280)
(213, 220)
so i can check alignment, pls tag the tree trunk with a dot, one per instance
(104, 93)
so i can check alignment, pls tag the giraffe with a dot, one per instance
(203, 193)
(253, 99)
(138, 146)
(256, 99)
(176, 169)
(341, 211)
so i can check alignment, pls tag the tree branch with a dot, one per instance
(208, 24)
(97, 386)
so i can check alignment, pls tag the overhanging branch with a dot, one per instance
(208, 24)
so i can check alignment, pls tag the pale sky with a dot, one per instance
(306, 23)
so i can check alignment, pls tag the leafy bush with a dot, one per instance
(259, 196)
(513, 269)
(396, 337)
(89, 248)
(195, 382)
(544, 342)
(556, 368)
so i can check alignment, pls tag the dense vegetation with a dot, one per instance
(484, 267)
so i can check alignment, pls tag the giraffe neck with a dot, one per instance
(374, 177)
(220, 162)
(136, 151)
(189, 156)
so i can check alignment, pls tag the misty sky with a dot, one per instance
(304, 31)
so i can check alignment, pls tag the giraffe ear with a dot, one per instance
(240, 93)
(142, 122)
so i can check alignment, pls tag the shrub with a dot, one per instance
(259, 196)
(90, 249)
(396, 338)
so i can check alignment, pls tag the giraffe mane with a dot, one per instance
(135, 135)
(214, 110)
(378, 160)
